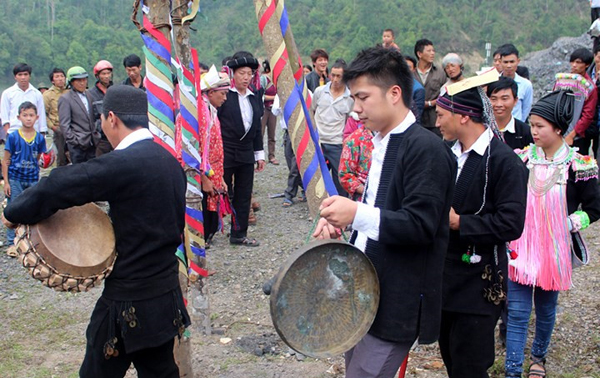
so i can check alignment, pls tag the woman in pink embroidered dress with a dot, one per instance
(560, 180)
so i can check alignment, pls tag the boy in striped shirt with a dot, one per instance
(20, 164)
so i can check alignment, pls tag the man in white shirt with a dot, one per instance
(16, 95)
(331, 105)
(402, 224)
(509, 56)
(243, 149)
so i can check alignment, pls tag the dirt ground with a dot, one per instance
(43, 332)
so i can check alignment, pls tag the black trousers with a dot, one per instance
(151, 362)
(467, 343)
(595, 13)
(211, 219)
(240, 180)
(294, 179)
(78, 155)
(584, 145)
(333, 153)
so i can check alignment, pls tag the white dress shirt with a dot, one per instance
(510, 126)
(83, 99)
(247, 115)
(480, 145)
(136, 136)
(12, 98)
(367, 218)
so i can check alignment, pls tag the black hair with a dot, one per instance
(585, 55)
(508, 49)
(412, 59)
(21, 67)
(318, 53)
(308, 67)
(203, 66)
(132, 61)
(523, 72)
(56, 70)
(596, 48)
(420, 45)
(242, 54)
(340, 63)
(27, 105)
(503, 83)
(384, 68)
(266, 66)
(391, 31)
(225, 60)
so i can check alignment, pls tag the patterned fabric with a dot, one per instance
(356, 160)
(24, 156)
(215, 159)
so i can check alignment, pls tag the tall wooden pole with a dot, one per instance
(284, 58)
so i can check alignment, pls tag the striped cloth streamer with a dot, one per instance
(300, 96)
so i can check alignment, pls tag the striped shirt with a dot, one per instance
(24, 153)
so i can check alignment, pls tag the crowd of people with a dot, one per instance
(465, 209)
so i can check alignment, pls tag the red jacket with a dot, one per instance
(588, 112)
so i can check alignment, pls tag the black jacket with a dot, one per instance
(521, 137)
(414, 196)
(312, 80)
(145, 188)
(239, 146)
(501, 220)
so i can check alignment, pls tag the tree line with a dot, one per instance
(49, 33)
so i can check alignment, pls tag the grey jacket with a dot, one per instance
(77, 123)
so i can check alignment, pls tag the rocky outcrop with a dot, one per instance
(544, 64)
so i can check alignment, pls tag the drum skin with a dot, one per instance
(73, 250)
(325, 298)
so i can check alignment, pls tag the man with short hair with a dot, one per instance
(51, 96)
(331, 106)
(402, 223)
(580, 60)
(19, 93)
(319, 76)
(242, 137)
(141, 309)
(431, 78)
(103, 71)
(133, 67)
(503, 96)
(76, 115)
(509, 56)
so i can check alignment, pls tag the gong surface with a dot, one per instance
(325, 298)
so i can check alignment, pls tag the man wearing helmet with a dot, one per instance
(103, 72)
(76, 117)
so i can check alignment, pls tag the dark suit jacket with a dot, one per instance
(501, 220)
(77, 123)
(239, 146)
(414, 195)
(521, 137)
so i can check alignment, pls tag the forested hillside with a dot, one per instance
(48, 33)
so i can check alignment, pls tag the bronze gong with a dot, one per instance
(324, 298)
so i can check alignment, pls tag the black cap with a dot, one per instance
(125, 99)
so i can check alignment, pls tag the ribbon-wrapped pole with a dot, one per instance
(275, 29)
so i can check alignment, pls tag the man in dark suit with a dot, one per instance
(141, 309)
(76, 117)
(240, 118)
(503, 96)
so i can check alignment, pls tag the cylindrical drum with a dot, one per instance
(73, 250)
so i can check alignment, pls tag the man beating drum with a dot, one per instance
(141, 309)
